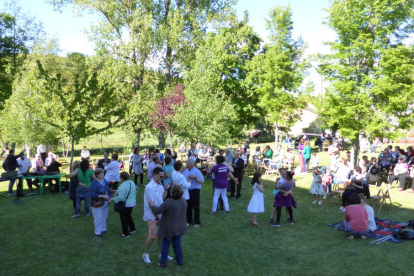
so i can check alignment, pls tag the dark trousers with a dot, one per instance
(176, 244)
(141, 178)
(220, 199)
(126, 220)
(234, 187)
(279, 213)
(193, 203)
(43, 156)
(30, 184)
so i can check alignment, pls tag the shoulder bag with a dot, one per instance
(118, 207)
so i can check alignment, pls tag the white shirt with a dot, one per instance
(153, 192)
(371, 218)
(112, 171)
(179, 179)
(41, 149)
(24, 165)
(85, 154)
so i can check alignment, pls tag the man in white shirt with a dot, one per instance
(24, 167)
(85, 154)
(41, 150)
(112, 172)
(179, 179)
(154, 192)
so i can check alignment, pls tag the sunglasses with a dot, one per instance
(161, 176)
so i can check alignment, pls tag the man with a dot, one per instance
(238, 165)
(384, 160)
(41, 150)
(85, 154)
(179, 179)
(54, 166)
(195, 177)
(9, 165)
(24, 165)
(365, 164)
(155, 193)
(193, 152)
(152, 166)
(102, 163)
(160, 155)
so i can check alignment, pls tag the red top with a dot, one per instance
(357, 217)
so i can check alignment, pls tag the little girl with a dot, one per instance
(316, 187)
(326, 182)
(315, 161)
(256, 204)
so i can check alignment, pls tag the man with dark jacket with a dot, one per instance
(238, 165)
(9, 165)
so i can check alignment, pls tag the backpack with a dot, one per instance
(405, 233)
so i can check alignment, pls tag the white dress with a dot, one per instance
(256, 204)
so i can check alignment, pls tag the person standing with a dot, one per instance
(155, 193)
(104, 161)
(41, 150)
(246, 150)
(137, 167)
(300, 154)
(307, 152)
(24, 165)
(100, 189)
(195, 177)
(112, 172)
(84, 176)
(238, 165)
(10, 165)
(151, 166)
(256, 204)
(179, 179)
(172, 224)
(85, 154)
(128, 194)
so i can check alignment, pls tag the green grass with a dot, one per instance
(37, 237)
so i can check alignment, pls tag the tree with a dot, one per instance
(79, 105)
(163, 116)
(150, 37)
(369, 68)
(277, 73)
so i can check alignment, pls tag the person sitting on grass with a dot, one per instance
(371, 215)
(256, 204)
(356, 218)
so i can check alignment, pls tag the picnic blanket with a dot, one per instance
(384, 228)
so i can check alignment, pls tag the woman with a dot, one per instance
(356, 186)
(307, 151)
(128, 194)
(84, 176)
(168, 170)
(300, 154)
(100, 189)
(173, 224)
(334, 148)
(268, 152)
(256, 155)
(221, 172)
(356, 218)
(284, 198)
(73, 184)
(112, 172)
(137, 167)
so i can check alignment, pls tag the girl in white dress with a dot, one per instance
(256, 204)
(316, 187)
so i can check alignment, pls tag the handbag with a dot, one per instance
(118, 207)
(97, 202)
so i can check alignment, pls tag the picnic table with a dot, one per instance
(42, 178)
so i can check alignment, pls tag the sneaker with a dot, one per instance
(320, 202)
(88, 214)
(342, 209)
(315, 202)
(169, 258)
(104, 232)
(276, 224)
(132, 232)
(196, 225)
(75, 216)
(188, 224)
(146, 258)
(351, 237)
(324, 197)
(254, 223)
(228, 211)
(11, 194)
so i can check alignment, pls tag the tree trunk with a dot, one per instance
(161, 140)
(63, 146)
(276, 136)
(72, 153)
(13, 146)
(137, 139)
(4, 146)
(27, 147)
(170, 136)
(356, 154)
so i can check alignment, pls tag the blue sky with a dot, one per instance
(70, 29)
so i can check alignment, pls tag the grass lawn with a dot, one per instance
(37, 237)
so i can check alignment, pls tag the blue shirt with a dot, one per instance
(194, 183)
(167, 169)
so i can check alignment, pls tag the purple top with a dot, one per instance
(285, 185)
(300, 148)
(221, 171)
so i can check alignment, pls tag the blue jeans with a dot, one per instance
(352, 232)
(82, 194)
(176, 243)
(11, 184)
(305, 165)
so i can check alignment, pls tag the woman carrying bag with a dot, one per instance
(100, 194)
(125, 201)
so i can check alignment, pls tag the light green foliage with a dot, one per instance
(276, 74)
(370, 68)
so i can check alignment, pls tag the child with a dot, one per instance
(282, 173)
(256, 204)
(315, 161)
(326, 182)
(316, 187)
(284, 197)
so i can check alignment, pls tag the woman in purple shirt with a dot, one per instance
(300, 149)
(221, 172)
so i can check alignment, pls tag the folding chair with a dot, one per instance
(382, 196)
(337, 190)
(272, 168)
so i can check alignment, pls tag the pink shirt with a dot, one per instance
(357, 217)
(400, 167)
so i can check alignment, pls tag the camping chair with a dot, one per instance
(382, 196)
(325, 145)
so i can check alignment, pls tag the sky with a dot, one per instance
(70, 29)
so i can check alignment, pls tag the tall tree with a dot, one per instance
(369, 68)
(157, 34)
(277, 73)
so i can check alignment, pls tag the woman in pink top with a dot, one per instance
(300, 149)
(356, 218)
